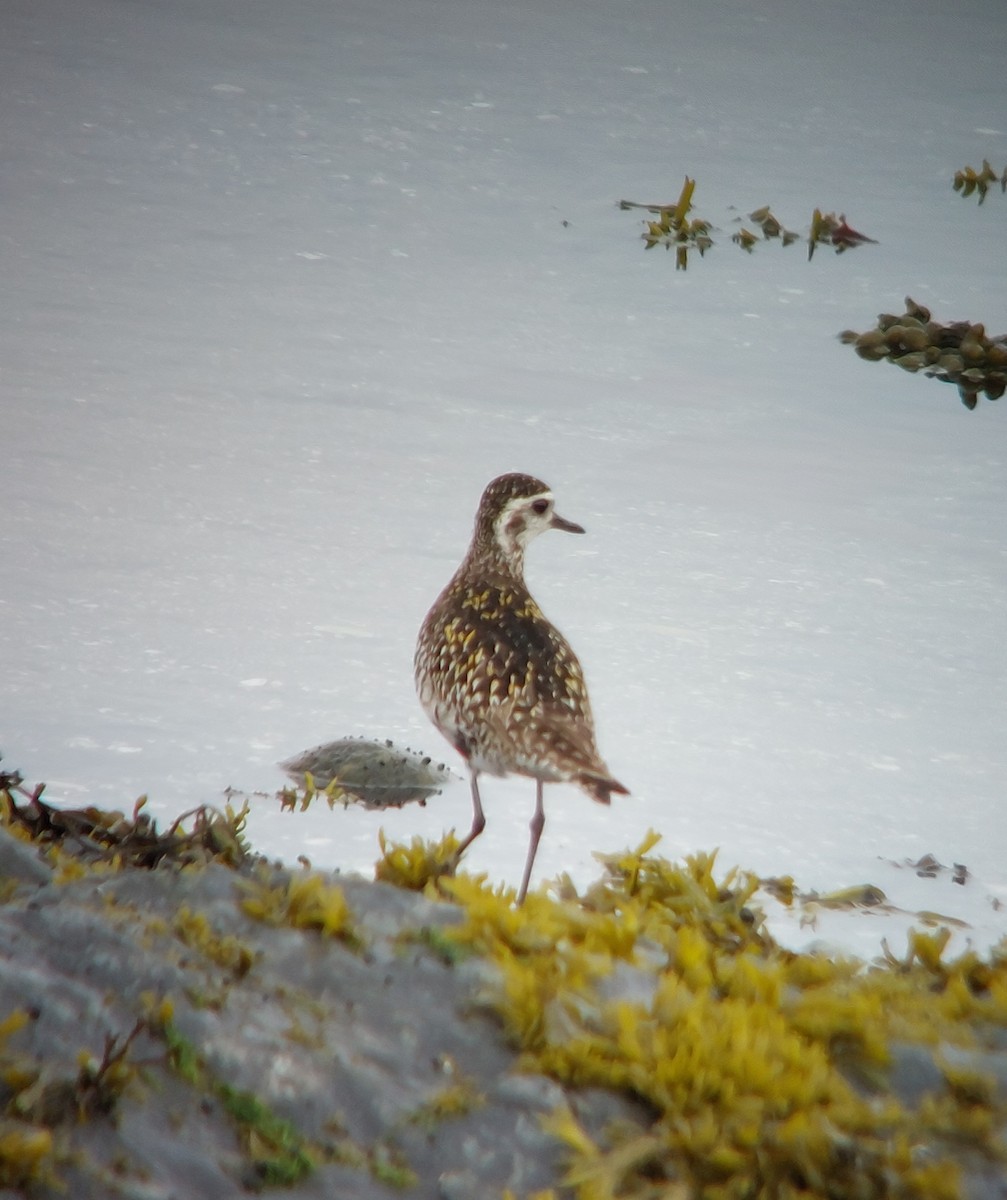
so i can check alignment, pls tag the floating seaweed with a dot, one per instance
(864, 897)
(672, 228)
(745, 239)
(827, 227)
(771, 226)
(959, 352)
(968, 180)
(375, 774)
(929, 867)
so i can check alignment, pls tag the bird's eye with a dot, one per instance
(540, 506)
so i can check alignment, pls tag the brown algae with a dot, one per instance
(765, 1072)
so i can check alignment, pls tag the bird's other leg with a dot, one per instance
(537, 825)
(478, 820)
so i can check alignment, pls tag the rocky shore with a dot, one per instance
(191, 1021)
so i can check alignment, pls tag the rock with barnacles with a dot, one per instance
(375, 774)
(958, 352)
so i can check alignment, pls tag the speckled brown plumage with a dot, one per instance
(496, 678)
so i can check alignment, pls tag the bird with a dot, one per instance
(495, 677)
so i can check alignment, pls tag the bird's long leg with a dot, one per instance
(478, 820)
(537, 825)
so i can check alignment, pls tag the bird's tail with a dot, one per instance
(600, 787)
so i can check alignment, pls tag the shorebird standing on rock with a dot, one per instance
(495, 677)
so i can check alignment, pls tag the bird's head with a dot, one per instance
(513, 510)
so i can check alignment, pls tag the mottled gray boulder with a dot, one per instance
(377, 1055)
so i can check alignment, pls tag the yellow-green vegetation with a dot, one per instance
(969, 180)
(660, 982)
(292, 800)
(46, 1098)
(101, 1083)
(25, 1154)
(303, 902)
(26, 1147)
(16, 1072)
(959, 352)
(760, 1074)
(453, 1100)
(36, 1100)
(78, 840)
(419, 866)
(227, 951)
(672, 228)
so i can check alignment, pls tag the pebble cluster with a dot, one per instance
(959, 352)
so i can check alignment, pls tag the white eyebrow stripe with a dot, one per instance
(520, 501)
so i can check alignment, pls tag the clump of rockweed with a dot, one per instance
(765, 1071)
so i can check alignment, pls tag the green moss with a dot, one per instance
(388, 1167)
(183, 1056)
(446, 948)
(280, 1154)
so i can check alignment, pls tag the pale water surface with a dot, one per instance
(285, 284)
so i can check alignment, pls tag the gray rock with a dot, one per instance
(352, 1045)
(384, 1060)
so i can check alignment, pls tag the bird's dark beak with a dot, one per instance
(559, 522)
